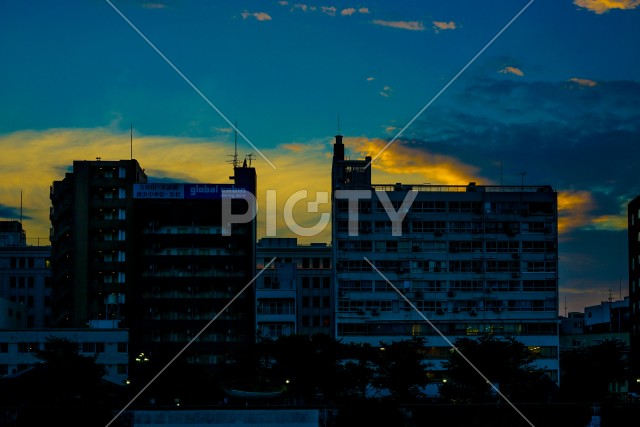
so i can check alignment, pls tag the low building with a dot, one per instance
(294, 295)
(110, 346)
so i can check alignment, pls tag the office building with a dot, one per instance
(90, 249)
(633, 232)
(473, 259)
(294, 295)
(188, 267)
(25, 275)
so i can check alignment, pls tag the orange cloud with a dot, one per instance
(348, 11)
(45, 156)
(602, 6)
(404, 25)
(511, 70)
(260, 16)
(363, 10)
(369, 79)
(583, 82)
(573, 210)
(441, 25)
(403, 163)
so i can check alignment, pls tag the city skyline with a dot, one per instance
(549, 102)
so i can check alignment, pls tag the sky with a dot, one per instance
(543, 92)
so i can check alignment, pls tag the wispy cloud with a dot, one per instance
(403, 25)
(512, 70)
(386, 91)
(364, 10)
(583, 82)
(442, 25)
(260, 16)
(370, 79)
(154, 5)
(602, 6)
(329, 10)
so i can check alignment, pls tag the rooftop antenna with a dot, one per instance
(522, 174)
(131, 143)
(565, 306)
(250, 156)
(234, 162)
(20, 206)
(338, 124)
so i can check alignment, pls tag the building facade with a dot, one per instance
(25, 275)
(294, 295)
(472, 259)
(633, 232)
(90, 223)
(188, 267)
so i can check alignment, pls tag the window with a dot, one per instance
(326, 262)
(123, 347)
(4, 347)
(88, 347)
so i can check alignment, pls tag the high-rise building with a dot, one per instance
(90, 225)
(294, 295)
(473, 259)
(188, 266)
(633, 209)
(159, 259)
(25, 274)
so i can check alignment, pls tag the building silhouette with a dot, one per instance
(91, 220)
(154, 259)
(633, 232)
(187, 270)
(473, 259)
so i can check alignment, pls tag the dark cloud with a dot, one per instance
(570, 136)
(560, 133)
(11, 213)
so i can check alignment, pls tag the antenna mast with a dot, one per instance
(131, 143)
(234, 160)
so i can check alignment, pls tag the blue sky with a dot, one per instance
(556, 96)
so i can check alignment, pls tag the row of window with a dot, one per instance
(439, 227)
(474, 285)
(28, 262)
(85, 347)
(434, 206)
(447, 328)
(395, 306)
(454, 246)
(452, 266)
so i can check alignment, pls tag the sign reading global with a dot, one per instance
(187, 191)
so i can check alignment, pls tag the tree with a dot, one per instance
(588, 372)
(506, 362)
(69, 373)
(356, 370)
(401, 369)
